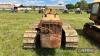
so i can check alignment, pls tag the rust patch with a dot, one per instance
(55, 41)
(51, 41)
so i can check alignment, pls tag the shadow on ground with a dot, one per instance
(89, 39)
(45, 51)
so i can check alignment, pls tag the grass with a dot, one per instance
(13, 25)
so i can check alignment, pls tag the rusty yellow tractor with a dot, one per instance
(50, 32)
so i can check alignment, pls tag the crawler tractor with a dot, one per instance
(50, 32)
(93, 29)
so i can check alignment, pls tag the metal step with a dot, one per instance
(67, 27)
(71, 45)
(28, 45)
(29, 39)
(72, 39)
(70, 33)
(71, 36)
(30, 34)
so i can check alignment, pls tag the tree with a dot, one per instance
(90, 5)
(70, 6)
(84, 5)
(77, 5)
(21, 5)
